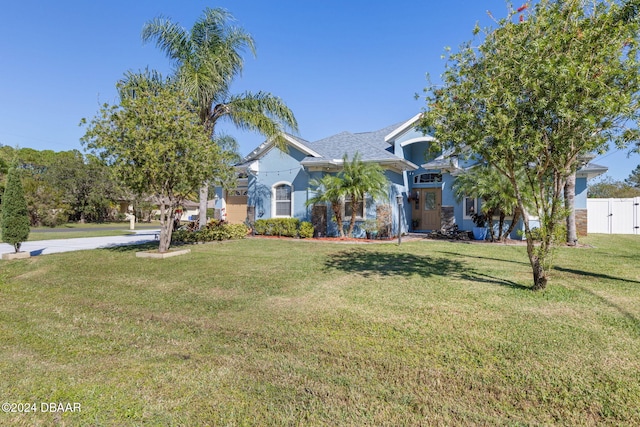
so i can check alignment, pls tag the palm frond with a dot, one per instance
(170, 38)
(260, 112)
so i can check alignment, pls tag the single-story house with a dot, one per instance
(275, 183)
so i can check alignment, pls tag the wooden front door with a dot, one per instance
(426, 209)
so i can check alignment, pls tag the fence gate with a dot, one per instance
(613, 216)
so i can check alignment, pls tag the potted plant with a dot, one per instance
(480, 226)
(370, 227)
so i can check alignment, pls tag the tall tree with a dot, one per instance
(15, 217)
(360, 179)
(45, 202)
(208, 59)
(154, 141)
(607, 187)
(634, 178)
(86, 184)
(548, 84)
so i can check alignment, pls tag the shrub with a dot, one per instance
(306, 230)
(261, 226)
(287, 227)
(15, 215)
(55, 217)
(215, 230)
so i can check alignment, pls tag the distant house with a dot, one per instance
(275, 183)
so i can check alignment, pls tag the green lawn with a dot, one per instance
(280, 332)
(73, 230)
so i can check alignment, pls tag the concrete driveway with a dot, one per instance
(45, 247)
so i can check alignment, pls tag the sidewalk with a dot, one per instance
(45, 247)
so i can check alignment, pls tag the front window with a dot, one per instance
(282, 200)
(470, 206)
(348, 209)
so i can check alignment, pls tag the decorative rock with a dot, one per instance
(155, 254)
(16, 255)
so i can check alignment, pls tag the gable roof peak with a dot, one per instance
(403, 128)
(291, 140)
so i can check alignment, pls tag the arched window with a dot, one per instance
(427, 178)
(282, 200)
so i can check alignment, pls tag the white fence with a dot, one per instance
(613, 216)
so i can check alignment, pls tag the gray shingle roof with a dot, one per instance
(591, 170)
(370, 145)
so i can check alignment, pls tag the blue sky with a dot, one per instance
(340, 65)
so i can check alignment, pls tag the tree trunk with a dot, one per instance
(512, 226)
(167, 211)
(539, 275)
(501, 226)
(204, 195)
(490, 224)
(337, 212)
(354, 213)
(569, 202)
(537, 266)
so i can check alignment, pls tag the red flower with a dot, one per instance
(523, 7)
(521, 18)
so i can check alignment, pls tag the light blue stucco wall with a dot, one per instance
(276, 167)
(396, 186)
(580, 201)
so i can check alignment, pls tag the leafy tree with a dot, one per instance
(329, 190)
(45, 202)
(208, 59)
(548, 84)
(154, 141)
(15, 217)
(4, 168)
(360, 179)
(86, 184)
(607, 187)
(634, 178)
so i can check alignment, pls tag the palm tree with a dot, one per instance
(496, 192)
(360, 179)
(328, 190)
(207, 59)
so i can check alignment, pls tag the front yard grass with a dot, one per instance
(275, 332)
(75, 230)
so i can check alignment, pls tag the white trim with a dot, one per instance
(267, 145)
(399, 164)
(464, 206)
(426, 138)
(358, 217)
(418, 175)
(403, 127)
(274, 201)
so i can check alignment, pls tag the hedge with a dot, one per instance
(283, 227)
(215, 230)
